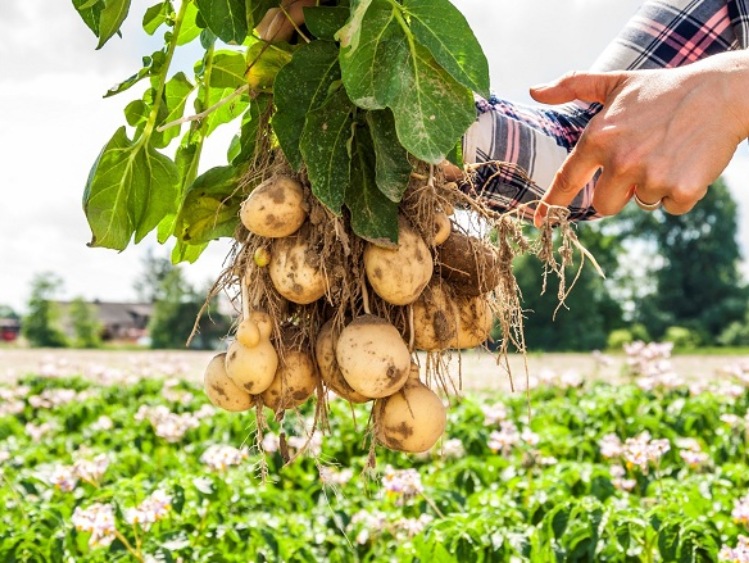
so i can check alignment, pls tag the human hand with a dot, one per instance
(277, 26)
(665, 133)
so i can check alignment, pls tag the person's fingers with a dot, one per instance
(612, 192)
(275, 27)
(679, 202)
(589, 87)
(575, 172)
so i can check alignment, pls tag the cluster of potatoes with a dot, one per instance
(444, 282)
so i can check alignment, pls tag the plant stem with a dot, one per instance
(222, 102)
(135, 553)
(148, 130)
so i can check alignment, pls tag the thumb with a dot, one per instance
(585, 86)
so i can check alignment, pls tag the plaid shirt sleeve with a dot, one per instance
(517, 148)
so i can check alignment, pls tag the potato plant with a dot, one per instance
(340, 215)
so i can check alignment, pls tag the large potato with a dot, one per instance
(295, 270)
(275, 208)
(329, 371)
(221, 391)
(399, 275)
(411, 420)
(372, 356)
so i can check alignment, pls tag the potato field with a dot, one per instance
(134, 464)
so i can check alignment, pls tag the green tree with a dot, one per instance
(589, 314)
(41, 325)
(697, 284)
(150, 286)
(85, 323)
(174, 315)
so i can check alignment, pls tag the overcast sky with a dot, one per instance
(54, 123)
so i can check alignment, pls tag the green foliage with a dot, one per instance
(40, 326)
(175, 311)
(736, 333)
(85, 323)
(554, 499)
(699, 284)
(682, 337)
(380, 83)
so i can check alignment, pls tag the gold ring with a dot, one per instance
(647, 206)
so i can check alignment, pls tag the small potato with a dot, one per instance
(411, 420)
(294, 382)
(275, 208)
(221, 391)
(399, 275)
(372, 356)
(264, 323)
(252, 369)
(475, 321)
(248, 333)
(442, 228)
(295, 270)
(435, 318)
(325, 347)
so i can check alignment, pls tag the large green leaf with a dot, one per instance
(111, 18)
(226, 18)
(300, 86)
(443, 30)
(189, 29)
(210, 208)
(225, 113)
(392, 167)
(373, 216)
(264, 61)
(130, 188)
(244, 148)
(383, 65)
(256, 9)
(325, 148)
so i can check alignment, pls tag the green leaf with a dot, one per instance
(226, 18)
(129, 189)
(443, 30)
(383, 66)
(136, 113)
(111, 18)
(300, 86)
(151, 66)
(157, 15)
(190, 253)
(373, 216)
(189, 29)
(210, 208)
(325, 147)
(90, 13)
(264, 61)
(392, 167)
(325, 21)
(228, 70)
(432, 111)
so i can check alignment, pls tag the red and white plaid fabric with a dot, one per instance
(533, 142)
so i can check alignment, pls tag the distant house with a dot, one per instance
(119, 321)
(10, 328)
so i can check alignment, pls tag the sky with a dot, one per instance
(54, 122)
